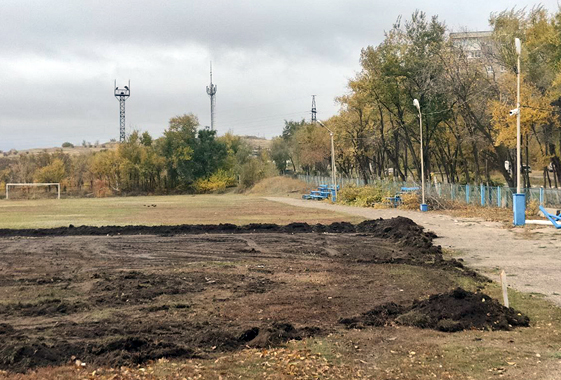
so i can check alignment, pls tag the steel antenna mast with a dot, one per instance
(314, 111)
(211, 91)
(122, 95)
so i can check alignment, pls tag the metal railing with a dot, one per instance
(497, 196)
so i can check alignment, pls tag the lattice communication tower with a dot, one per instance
(122, 94)
(314, 111)
(211, 91)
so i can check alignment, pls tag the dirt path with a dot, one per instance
(530, 256)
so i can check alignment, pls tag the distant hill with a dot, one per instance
(256, 143)
(72, 150)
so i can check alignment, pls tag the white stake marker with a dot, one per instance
(503, 284)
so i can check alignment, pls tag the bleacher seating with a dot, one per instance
(322, 192)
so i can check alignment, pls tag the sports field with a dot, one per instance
(377, 299)
(157, 210)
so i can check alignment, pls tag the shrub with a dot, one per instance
(67, 145)
(365, 196)
(411, 201)
(101, 189)
(532, 208)
(254, 170)
(280, 185)
(217, 182)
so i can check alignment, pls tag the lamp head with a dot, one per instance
(416, 104)
(518, 45)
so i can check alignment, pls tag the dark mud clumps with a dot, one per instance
(43, 308)
(134, 287)
(276, 334)
(257, 286)
(22, 356)
(6, 329)
(449, 312)
(417, 245)
(293, 228)
(379, 316)
(183, 341)
(389, 228)
(403, 230)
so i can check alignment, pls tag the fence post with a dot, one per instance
(467, 193)
(452, 191)
(499, 198)
(482, 187)
(541, 196)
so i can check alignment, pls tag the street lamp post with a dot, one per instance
(424, 206)
(333, 169)
(519, 199)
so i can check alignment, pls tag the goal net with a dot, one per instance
(32, 190)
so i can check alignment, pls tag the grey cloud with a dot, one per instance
(58, 60)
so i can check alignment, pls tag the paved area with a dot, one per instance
(530, 256)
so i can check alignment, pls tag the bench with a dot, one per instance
(323, 192)
(396, 199)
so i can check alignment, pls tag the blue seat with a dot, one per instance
(322, 192)
(555, 219)
(394, 201)
(409, 189)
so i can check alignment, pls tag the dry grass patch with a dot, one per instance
(157, 210)
(280, 186)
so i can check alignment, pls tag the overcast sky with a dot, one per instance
(59, 58)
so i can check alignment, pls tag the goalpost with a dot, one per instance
(31, 185)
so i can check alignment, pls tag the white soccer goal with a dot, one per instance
(31, 185)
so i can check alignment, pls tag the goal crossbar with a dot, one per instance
(31, 184)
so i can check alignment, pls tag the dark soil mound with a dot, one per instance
(297, 228)
(461, 310)
(453, 311)
(146, 344)
(379, 316)
(275, 334)
(123, 351)
(340, 228)
(403, 230)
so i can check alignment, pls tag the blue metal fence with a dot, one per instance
(497, 196)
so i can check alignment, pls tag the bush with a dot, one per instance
(532, 208)
(217, 182)
(411, 201)
(365, 196)
(254, 170)
(280, 185)
(67, 145)
(101, 189)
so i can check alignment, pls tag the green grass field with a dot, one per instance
(170, 210)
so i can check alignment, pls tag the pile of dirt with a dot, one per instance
(19, 353)
(400, 229)
(449, 312)
(276, 334)
(403, 230)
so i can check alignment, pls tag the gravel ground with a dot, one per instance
(530, 256)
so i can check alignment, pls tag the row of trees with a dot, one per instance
(465, 103)
(185, 158)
